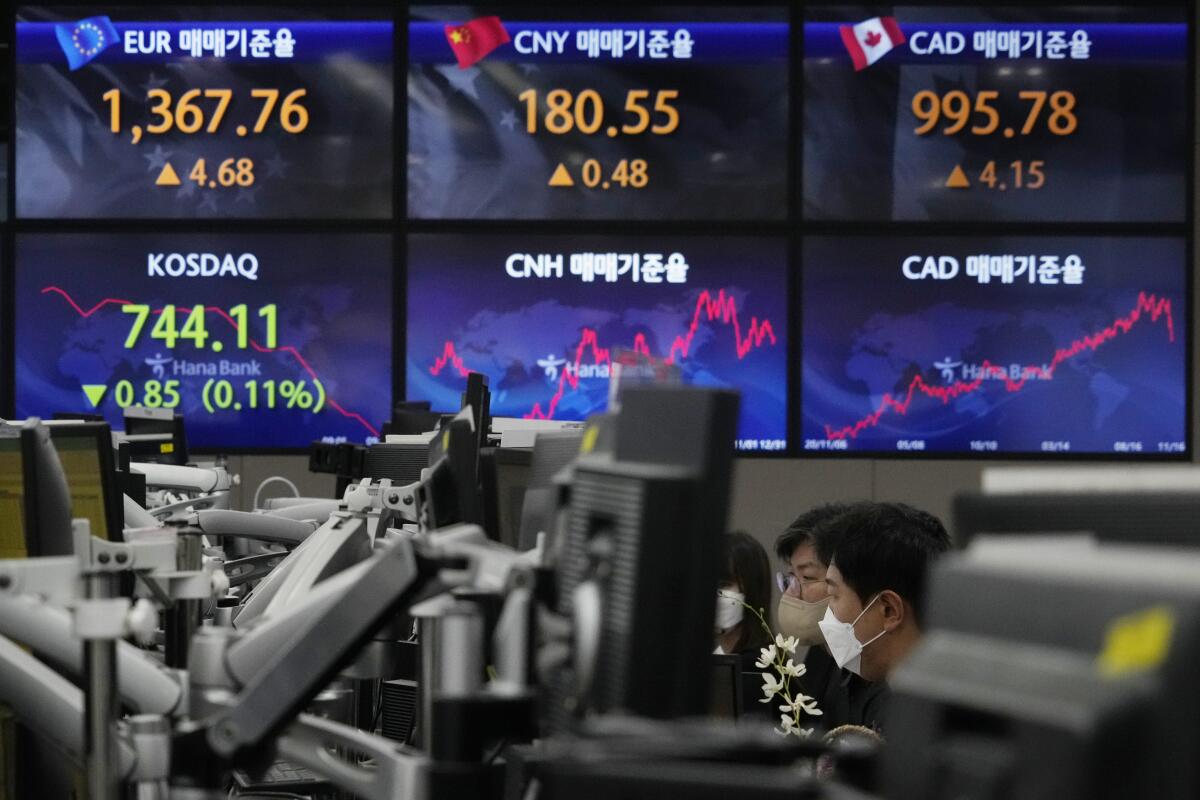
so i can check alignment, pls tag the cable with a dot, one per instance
(273, 479)
(378, 711)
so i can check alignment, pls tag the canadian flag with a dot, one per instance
(871, 40)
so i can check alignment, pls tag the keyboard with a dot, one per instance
(282, 776)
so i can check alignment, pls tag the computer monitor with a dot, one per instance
(1151, 505)
(1058, 670)
(410, 418)
(1144, 517)
(452, 494)
(399, 463)
(503, 481)
(33, 493)
(725, 700)
(640, 553)
(156, 435)
(12, 495)
(86, 453)
(478, 398)
(72, 416)
(552, 451)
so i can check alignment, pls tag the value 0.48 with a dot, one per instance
(195, 328)
(626, 174)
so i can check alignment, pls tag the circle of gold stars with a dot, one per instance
(88, 26)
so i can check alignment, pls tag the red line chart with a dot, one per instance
(720, 308)
(1147, 304)
(288, 349)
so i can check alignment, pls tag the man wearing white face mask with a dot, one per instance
(876, 582)
(805, 549)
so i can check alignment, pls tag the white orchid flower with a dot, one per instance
(766, 657)
(806, 704)
(792, 669)
(788, 645)
(788, 726)
(771, 687)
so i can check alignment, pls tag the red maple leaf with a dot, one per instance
(873, 38)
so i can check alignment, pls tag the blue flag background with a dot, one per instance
(86, 39)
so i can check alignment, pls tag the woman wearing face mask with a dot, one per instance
(746, 579)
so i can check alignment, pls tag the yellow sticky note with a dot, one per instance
(1137, 642)
(589, 439)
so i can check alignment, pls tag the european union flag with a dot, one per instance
(84, 40)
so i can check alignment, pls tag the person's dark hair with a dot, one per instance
(828, 532)
(887, 546)
(746, 565)
(800, 532)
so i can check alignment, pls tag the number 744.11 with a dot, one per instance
(165, 328)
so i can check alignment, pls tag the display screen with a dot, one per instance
(179, 112)
(84, 471)
(994, 113)
(545, 317)
(259, 340)
(657, 113)
(1006, 344)
(12, 498)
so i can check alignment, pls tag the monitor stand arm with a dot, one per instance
(247, 687)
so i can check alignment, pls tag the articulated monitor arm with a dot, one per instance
(248, 687)
(49, 704)
(396, 773)
(143, 682)
(249, 525)
(252, 568)
(308, 659)
(187, 479)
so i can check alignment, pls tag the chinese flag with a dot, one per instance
(473, 40)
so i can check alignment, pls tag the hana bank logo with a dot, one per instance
(158, 365)
(947, 367)
(871, 40)
(550, 365)
(955, 371)
(84, 40)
